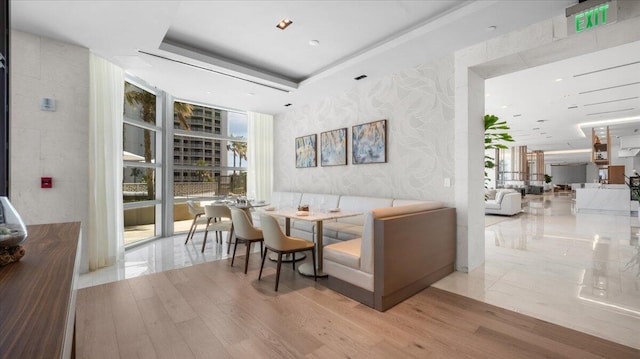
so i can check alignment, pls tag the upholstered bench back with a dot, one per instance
(366, 250)
(361, 204)
(282, 200)
(318, 200)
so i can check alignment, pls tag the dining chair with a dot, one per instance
(198, 218)
(278, 242)
(218, 220)
(245, 232)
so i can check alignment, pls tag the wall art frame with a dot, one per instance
(306, 151)
(369, 142)
(333, 147)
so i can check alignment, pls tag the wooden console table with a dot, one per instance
(38, 294)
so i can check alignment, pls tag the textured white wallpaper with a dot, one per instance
(50, 143)
(418, 105)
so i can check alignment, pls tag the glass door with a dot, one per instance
(142, 175)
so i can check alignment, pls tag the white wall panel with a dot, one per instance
(49, 143)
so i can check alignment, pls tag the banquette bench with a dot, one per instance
(396, 248)
(335, 230)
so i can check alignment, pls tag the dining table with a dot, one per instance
(247, 206)
(318, 217)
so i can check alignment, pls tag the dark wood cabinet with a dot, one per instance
(38, 294)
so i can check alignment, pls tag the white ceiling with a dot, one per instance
(588, 89)
(244, 62)
(239, 38)
(247, 34)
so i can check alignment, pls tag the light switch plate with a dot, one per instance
(47, 104)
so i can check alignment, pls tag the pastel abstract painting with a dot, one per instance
(369, 142)
(333, 147)
(306, 151)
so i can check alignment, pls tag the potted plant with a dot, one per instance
(547, 180)
(494, 136)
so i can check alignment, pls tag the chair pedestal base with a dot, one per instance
(306, 269)
(288, 258)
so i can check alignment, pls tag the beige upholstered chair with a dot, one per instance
(278, 242)
(245, 232)
(198, 218)
(218, 220)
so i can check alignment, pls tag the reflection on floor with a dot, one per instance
(162, 255)
(133, 234)
(580, 271)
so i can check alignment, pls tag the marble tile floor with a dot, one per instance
(164, 254)
(580, 271)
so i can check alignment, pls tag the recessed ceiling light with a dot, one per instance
(487, 95)
(208, 92)
(284, 23)
(561, 152)
(572, 107)
(314, 42)
(287, 105)
(491, 28)
(616, 121)
(558, 79)
(605, 112)
(541, 121)
(360, 77)
(503, 106)
(518, 115)
(250, 94)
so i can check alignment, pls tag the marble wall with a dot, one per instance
(418, 106)
(49, 143)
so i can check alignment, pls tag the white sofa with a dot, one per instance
(506, 202)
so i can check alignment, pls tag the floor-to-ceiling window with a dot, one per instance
(142, 170)
(209, 156)
(206, 151)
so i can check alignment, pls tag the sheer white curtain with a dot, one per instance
(260, 152)
(106, 105)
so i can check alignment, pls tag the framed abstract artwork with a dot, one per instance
(333, 147)
(306, 151)
(369, 142)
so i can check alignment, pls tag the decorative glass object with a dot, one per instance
(12, 230)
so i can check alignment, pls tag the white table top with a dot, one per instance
(312, 217)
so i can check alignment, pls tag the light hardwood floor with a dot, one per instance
(212, 310)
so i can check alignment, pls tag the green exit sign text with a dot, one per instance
(591, 14)
(591, 18)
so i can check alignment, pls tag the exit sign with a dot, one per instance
(591, 14)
